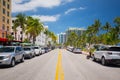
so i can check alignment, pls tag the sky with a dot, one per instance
(59, 15)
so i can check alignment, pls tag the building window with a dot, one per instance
(21, 39)
(7, 28)
(3, 11)
(8, 14)
(12, 33)
(3, 27)
(8, 6)
(4, 3)
(13, 21)
(3, 19)
(3, 35)
(20, 32)
(8, 21)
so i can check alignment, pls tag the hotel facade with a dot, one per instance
(5, 19)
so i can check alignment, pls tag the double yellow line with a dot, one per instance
(59, 70)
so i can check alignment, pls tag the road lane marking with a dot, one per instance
(59, 69)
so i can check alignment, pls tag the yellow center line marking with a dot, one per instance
(59, 69)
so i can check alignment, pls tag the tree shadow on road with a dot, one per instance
(7, 66)
(108, 65)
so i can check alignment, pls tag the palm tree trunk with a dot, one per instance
(34, 39)
(15, 35)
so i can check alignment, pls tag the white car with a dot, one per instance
(37, 50)
(42, 50)
(9, 55)
(29, 52)
(77, 50)
(107, 55)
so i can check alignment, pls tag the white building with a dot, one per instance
(41, 39)
(18, 33)
(78, 31)
(61, 38)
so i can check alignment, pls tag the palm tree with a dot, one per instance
(34, 28)
(10, 37)
(96, 27)
(72, 39)
(21, 21)
(47, 33)
(117, 22)
(107, 27)
(15, 29)
(53, 37)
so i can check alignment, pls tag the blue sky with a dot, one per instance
(59, 15)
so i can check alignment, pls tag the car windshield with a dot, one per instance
(26, 49)
(36, 47)
(114, 49)
(6, 49)
(45, 48)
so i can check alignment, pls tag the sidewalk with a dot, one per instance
(85, 53)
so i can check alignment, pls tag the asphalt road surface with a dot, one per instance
(60, 65)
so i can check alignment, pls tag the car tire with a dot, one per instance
(103, 61)
(12, 64)
(30, 56)
(22, 59)
(34, 55)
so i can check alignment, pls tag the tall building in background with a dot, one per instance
(5, 19)
(78, 31)
(62, 38)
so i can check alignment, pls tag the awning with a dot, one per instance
(3, 39)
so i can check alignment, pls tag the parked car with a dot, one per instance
(70, 48)
(46, 49)
(37, 50)
(77, 50)
(9, 55)
(42, 51)
(107, 55)
(29, 52)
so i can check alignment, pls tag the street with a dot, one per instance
(73, 67)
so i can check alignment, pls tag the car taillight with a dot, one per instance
(110, 53)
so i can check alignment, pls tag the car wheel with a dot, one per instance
(39, 53)
(12, 63)
(22, 59)
(30, 56)
(103, 61)
(34, 55)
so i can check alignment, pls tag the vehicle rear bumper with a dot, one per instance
(114, 61)
(27, 55)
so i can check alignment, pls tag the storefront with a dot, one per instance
(6, 42)
(3, 41)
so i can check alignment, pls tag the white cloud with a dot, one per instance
(74, 9)
(22, 6)
(82, 8)
(70, 10)
(47, 18)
